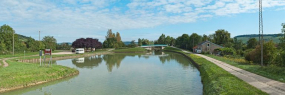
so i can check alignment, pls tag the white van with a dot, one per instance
(79, 51)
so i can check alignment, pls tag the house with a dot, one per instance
(206, 46)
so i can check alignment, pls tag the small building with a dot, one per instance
(206, 46)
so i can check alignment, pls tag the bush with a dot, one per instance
(269, 54)
(227, 51)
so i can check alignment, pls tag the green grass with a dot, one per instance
(18, 54)
(62, 55)
(129, 50)
(21, 74)
(272, 72)
(172, 49)
(217, 81)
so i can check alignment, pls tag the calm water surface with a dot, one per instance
(155, 73)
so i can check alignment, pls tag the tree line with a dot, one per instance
(6, 42)
(274, 53)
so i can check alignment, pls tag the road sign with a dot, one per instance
(40, 53)
(47, 51)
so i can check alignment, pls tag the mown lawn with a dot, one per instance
(129, 50)
(217, 81)
(21, 54)
(22, 74)
(272, 72)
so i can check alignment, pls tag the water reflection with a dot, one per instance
(163, 73)
(115, 60)
(88, 62)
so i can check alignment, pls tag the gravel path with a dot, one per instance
(5, 64)
(269, 86)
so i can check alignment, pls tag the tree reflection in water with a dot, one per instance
(116, 59)
(174, 56)
(113, 60)
(87, 62)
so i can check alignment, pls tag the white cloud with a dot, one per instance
(70, 16)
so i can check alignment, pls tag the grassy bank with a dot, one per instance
(272, 72)
(130, 50)
(64, 55)
(217, 81)
(19, 75)
(18, 54)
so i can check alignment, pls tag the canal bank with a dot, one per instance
(161, 73)
(22, 73)
(217, 81)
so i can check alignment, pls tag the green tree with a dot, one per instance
(172, 42)
(145, 42)
(110, 34)
(110, 43)
(133, 44)
(205, 38)
(194, 40)
(118, 37)
(31, 44)
(182, 41)
(168, 40)
(49, 43)
(6, 34)
(139, 42)
(251, 43)
(269, 53)
(222, 37)
(161, 39)
(3, 49)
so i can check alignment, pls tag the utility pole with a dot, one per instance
(40, 50)
(261, 30)
(193, 45)
(13, 43)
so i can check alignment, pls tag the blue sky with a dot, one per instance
(68, 20)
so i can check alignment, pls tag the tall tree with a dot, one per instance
(204, 38)
(50, 42)
(251, 43)
(182, 41)
(118, 37)
(139, 42)
(168, 40)
(32, 45)
(110, 34)
(194, 40)
(3, 49)
(161, 39)
(6, 34)
(238, 44)
(222, 37)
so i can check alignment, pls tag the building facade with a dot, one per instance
(206, 46)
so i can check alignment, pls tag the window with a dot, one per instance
(208, 44)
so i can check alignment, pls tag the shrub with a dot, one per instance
(227, 51)
(269, 54)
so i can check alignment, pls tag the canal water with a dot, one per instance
(154, 73)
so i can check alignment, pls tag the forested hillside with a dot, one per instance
(267, 37)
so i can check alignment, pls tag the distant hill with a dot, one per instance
(129, 42)
(266, 37)
(23, 38)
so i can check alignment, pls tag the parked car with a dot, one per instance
(79, 51)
